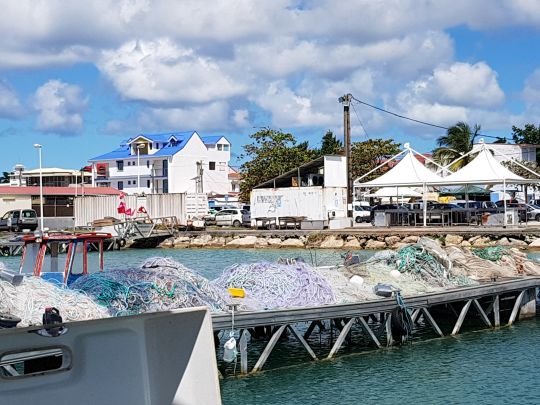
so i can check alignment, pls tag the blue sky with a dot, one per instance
(79, 77)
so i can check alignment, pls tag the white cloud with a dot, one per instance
(10, 105)
(531, 90)
(241, 118)
(161, 72)
(60, 107)
(214, 115)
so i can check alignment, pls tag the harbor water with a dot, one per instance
(475, 367)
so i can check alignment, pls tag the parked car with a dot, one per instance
(233, 217)
(210, 218)
(17, 220)
(533, 212)
(361, 214)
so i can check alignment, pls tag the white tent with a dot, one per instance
(407, 172)
(395, 192)
(484, 169)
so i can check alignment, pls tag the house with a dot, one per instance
(174, 162)
(52, 177)
(507, 151)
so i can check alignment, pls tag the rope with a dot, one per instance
(29, 300)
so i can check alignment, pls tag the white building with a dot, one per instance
(506, 151)
(52, 177)
(178, 162)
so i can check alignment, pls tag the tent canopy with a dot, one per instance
(408, 172)
(484, 169)
(395, 192)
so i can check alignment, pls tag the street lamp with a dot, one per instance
(39, 147)
(139, 147)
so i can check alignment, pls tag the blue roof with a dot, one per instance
(124, 150)
(164, 137)
(212, 140)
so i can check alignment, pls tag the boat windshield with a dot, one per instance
(28, 262)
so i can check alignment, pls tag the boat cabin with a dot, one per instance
(70, 255)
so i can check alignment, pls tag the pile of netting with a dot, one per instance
(275, 285)
(491, 253)
(29, 300)
(160, 284)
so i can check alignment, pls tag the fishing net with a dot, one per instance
(160, 284)
(492, 253)
(275, 285)
(29, 300)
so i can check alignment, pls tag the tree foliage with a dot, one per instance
(5, 177)
(520, 171)
(458, 141)
(330, 145)
(270, 154)
(529, 134)
(367, 155)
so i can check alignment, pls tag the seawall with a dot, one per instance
(360, 238)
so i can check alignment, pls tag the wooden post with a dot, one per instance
(515, 310)
(304, 343)
(369, 331)
(461, 318)
(528, 304)
(243, 352)
(483, 315)
(497, 311)
(432, 321)
(341, 338)
(389, 339)
(268, 349)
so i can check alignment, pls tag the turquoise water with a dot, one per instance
(487, 367)
(209, 262)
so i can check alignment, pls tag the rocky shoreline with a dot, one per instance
(345, 241)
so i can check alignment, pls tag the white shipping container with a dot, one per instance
(314, 203)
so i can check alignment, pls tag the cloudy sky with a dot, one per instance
(80, 76)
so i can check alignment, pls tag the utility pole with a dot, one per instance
(346, 101)
(199, 178)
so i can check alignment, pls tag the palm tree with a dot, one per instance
(458, 141)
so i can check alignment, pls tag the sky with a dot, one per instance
(78, 77)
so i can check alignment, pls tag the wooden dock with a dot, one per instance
(494, 304)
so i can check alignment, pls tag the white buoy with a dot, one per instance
(229, 350)
(357, 280)
(395, 274)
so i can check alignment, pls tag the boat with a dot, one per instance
(148, 359)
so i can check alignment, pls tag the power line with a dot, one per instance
(359, 120)
(412, 119)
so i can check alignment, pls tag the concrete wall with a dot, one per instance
(13, 202)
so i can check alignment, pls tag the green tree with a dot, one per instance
(458, 141)
(270, 154)
(367, 155)
(530, 134)
(330, 145)
(5, 178)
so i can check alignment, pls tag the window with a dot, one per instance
(165, 168)
(134, 182)
(222, 166)
(120, 165)
(147, 183)
(165, 186)
(226, 148)
(220, 147)
(157, 145)
(120, 185)
(129, 182)
(211, 165)
(129, 163)
(150, 144)
(148, 164)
